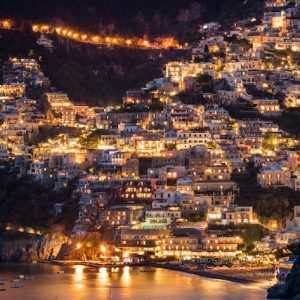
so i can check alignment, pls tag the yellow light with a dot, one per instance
(103, 249)
(103, 275)
(95, 39)
(126, 274)
(45, 28)
(129, 42)
(78, 245)
(84, 37)
(7, 24)
(35, 28)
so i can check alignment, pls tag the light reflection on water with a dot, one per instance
(126, 276)
(103, 276)
(126, 283)
(78, 277)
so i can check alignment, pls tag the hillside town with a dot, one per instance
(162, 175)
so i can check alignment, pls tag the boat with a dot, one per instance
(60, 272)
(17, 286)
(2, 283)
(20, 276)
(15, 280)
(2, 290)
(28, 277)
(147, 271)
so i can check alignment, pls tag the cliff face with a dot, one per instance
(291, 288)
(27, 248)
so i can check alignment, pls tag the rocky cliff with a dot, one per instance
(291, 288)
(22, 247)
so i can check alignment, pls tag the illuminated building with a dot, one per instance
(220, 242)
(274, 175)
(267, 106)
(189, 139)
(11, 91)
(160, 218)
(230, 215)
(136, 190)
(121, 215)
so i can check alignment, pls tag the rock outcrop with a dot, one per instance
(27, 248)
(291, 288)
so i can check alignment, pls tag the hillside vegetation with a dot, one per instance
(132, 17)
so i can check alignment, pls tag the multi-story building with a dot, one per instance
(230, 215)
(221, 242)
(274, 175)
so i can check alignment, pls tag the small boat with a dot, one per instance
(2, 290)
(147, 271)
(60, 272)
(28, 277)
(17, 286)
(15, 280)
(20, 276)
(2, 283)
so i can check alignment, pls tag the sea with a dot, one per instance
(52, 282)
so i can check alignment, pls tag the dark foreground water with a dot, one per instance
(127, 283)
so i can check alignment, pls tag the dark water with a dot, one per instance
(127, 283)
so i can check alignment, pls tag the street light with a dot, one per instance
(103, 249)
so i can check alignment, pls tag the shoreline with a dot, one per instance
(206, 274)
(178, 268)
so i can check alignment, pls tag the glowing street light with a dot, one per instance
(103, 249)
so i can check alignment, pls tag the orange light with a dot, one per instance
(103, 249)
(45, 28)
(6, 24)
(95, 39)
(35, 28)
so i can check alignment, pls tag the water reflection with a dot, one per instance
(79, 277)
(126, 276)
(129, 283)
(103, 276)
